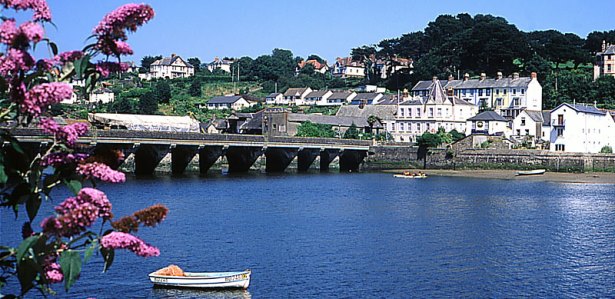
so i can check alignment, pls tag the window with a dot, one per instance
(402, 126)
(480, 92)
(282, 128)
(439, 112)
(518, 132)
(401, 112)
(498, 102)
(559, 147)
(516, 101)
(522, 91)
(488, 92)
(523, 121)
(497, 91)
(608, 67)
(418, 126)
(560, 132)
(527, 131)
(430, 112)
(418, 112)
(514, 91)
(504, 91)
(409, 112)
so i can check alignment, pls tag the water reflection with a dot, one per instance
(164, 293)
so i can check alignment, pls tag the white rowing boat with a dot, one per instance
(531, 172)
(403, 176)
(203, 279)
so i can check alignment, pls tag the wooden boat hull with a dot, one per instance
(409, 176)
(531, 172)
(213, 280)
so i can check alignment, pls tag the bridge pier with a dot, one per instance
(326, 157)
(113, 154)
(305, 158)
(278, 158)
(181, 155)
(241, 158)
(147, 157)
(350, 160)
(208, 155)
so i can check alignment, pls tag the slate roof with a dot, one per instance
(224, 99)
(273, 95)
(316, 94)
(388, 100)
(582, 108)
(609, 50)
(294, 91)
(546, 118)
(366, 96)
(521, 82)
(383, 112)
(170, 61)
(255, 123)
(343, 95)
(536, 116)
(487, 116)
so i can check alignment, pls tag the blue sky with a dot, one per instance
(328, 28)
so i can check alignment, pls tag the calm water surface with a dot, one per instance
(366, 236)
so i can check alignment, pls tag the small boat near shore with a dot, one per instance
(531, 172)
(172, 277)
(403, 176)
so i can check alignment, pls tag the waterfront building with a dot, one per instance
(528, 123)
(487, 123)
(170, 68)
(507, 96)
(228, 102)
(295, 96)
(384, 113)
(427, 113)
(347, 68)
(275, 98)
(605, 61)
(317, 97)
(281, 122)
(102, 95)
(338, 98)
(222, 64)
(546, 125)
(581, 128)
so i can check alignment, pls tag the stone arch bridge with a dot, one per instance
(241, 151)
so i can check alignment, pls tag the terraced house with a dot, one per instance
(507, 96)
(605, 61)
(170, 68)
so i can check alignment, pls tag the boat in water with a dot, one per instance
(173, 276)
(531, 172)
(411, 176)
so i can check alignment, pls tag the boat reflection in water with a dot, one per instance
(162, 292)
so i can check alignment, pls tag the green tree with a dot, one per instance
(425, 142)
(352, 132)
(195, 89)
(148, 104)
(146, 61)
(309, 129)
(456, 135)
(606, 150)
(196, 63)
(162, 91)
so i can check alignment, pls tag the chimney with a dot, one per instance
(173, 55)
(483, 76)
(451, 78)
(515, 76)
(466, 77)
(595, 104)
(533, 75)
(603, 45)
(434, 79)
(499, 75)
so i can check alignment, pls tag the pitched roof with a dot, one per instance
(536, 116)
(317, 94)
(294, 91)
(224, 99)
(341, 95)
(366, 96)
(609, 50)
(546, 117)
(170, 61)
(273, 95)
(521, 82)
(487, 116)
(582, 108)
(384, 112)
(328, 119)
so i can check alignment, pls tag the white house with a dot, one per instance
(347, 68)
(171, 67)
(228, 102)
(367, 98)
(581, 128)
(487, 123)
(295, 96)
(317, 96)
(274, 99)
(605, 61)
(338, 98)
(426, 114)
(103, 95)
(223, 64)
(322, 68)
(528, 123)
(507, 96)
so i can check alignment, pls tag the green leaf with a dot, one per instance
(32, 205)
(3, 176)
(108, 255)
(89, 251)
(77, 65)
(25, 246)
(70, 262)
(54, 48)
(73, 185)
(27, 271)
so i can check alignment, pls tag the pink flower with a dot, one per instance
(114, 47)
(8, 31)
(41, 96)
(69, 56)
(126, 17)
(59, 159)
(119, 240)
(87, 196)
(49, 126)
(53, 273)
(102, 172)
(40, 8)
(67, 134)
(15, 61)
(106, 67)
(32, 31)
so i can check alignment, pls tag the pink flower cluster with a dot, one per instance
(59, 159)
(102, 172)
(106, 67)
(111, 31)
(40, 8)
(53, 273)
(67, 134)
(40, 96)
(8, 31)
(119, 240)
(15, 61)
(75, 214)
(69, 56)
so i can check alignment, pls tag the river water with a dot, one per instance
(365, 235)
